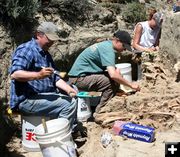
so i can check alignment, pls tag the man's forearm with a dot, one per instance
(63, 85)
(24, 76)
(117, 77)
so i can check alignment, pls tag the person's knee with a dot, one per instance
(72, 105)
(104, 81)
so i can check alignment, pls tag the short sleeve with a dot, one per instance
(21, 59)
(107, 54)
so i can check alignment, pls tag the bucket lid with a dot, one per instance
(83, 95)
(55, 125)
(89, 94)
(123, 65)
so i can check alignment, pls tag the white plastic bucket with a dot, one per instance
(58, 141)
(125, 70)
(84, 109)
(29, 123)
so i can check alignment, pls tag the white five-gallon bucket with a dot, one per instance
(57, 142)
(28, 138)
(125, 70)
(84, 109)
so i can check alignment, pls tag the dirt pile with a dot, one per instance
(156, 105)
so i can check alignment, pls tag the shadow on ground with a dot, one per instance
(6, 153)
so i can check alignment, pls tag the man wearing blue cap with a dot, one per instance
(94, 69)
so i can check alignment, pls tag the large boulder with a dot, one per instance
(170, 39)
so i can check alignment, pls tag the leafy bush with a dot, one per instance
(116, 1)
(73, 10)
(129, 1)
(134, 12)
(18, 9)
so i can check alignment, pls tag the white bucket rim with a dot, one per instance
(53, 140)
(39, 130)
(123, 65)
(52, 135)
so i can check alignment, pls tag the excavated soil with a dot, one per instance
(156, 105)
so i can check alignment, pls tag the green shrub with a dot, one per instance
(134, 12)
(74, 10)
(18, 9)
(130, 1)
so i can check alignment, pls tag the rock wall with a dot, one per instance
(170, 39)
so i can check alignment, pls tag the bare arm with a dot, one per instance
(66, 87)
(136, 40)
(116, 76)
(23, 76)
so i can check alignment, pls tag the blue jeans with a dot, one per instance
(53, 105)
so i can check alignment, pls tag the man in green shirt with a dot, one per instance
(94, 69)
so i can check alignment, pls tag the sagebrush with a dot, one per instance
(134, 12)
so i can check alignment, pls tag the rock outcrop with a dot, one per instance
(170, 39)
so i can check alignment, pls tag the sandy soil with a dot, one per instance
(156, 105)
(119, 147)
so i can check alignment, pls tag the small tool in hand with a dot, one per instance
(55, 71)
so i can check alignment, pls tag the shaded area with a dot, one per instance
(6, 153)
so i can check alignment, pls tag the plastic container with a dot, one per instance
(84, 109)
(29, 123)
(125, 70)
(57, 142)
(134, 131)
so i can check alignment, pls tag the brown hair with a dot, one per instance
(151, 12)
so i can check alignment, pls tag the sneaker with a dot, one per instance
(79, 133)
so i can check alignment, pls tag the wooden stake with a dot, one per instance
(44, 125)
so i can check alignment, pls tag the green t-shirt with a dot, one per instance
(94, 59)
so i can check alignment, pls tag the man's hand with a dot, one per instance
(66, 87)
(135, 86)
(45, 72)
(72, 93)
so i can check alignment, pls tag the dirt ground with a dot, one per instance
(119, 147)
(156, 105)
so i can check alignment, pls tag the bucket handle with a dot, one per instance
(59, 140)
(68, 147)
(63, 143)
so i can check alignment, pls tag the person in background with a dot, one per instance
(147, 33)
(176, 6)
(94, 69)
(33, 82)
(169, 1)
